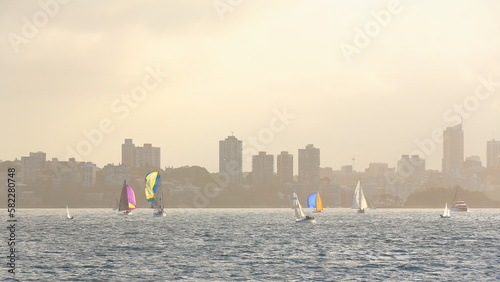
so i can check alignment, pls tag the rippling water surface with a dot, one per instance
(257, 244)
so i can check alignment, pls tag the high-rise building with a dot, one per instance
(473, 162)
(32, 167)
(135, 156)
(87, 174)
(453, 151)
(309, 162)
(413, 167)
(128, 153)
(147, 156)
(377, 169)
(231, 159)
(285, 167)
(493, 154)
(346, 169)
(115, 175)
(262, 168)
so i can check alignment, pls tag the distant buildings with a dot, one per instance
(493, 154)
(231, 159)
(411, 168)
(134, 156)
(87, 174)
(346, 169)
(377, 169)
(285, 167)
(262, 168)
(309, 164)
(326, 175)
(128, 153)
(453, 151)
(473, 162)
(32, 167)
(114, 175)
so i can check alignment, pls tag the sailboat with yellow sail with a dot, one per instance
(314, 201)
(151, 183)
(127, 200)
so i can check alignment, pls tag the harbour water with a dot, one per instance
(256, 244)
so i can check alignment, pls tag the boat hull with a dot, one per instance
(459, 206)
(460, 209)
(305, 221)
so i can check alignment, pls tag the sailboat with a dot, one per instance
(314, 201)
(151, 183)
(127, 199)
(299, 213)
(458, 205)
(68, 216)
(359, 200)
(446, 212)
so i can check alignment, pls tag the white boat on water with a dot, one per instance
(458, 205)
(359, 200)
(68, 216)
(299, 213)
(446, 212)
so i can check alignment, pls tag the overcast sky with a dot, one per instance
(369, 79)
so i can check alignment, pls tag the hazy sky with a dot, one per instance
(285, 73)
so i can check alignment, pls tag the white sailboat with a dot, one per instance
(446, 212)
(359, 200)
(299, 213)
(68, 216)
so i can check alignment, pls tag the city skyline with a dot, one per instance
(368, 80)
(230, 158)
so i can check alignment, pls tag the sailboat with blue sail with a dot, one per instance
(127, 199)
(152, 182)
(314, 201)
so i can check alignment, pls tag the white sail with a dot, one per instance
(67, 213)
(299, 213)
(359, 200)
(446, 211)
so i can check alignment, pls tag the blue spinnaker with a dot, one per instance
(311, 200)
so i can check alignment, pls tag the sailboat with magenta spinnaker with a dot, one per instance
(127, 199)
